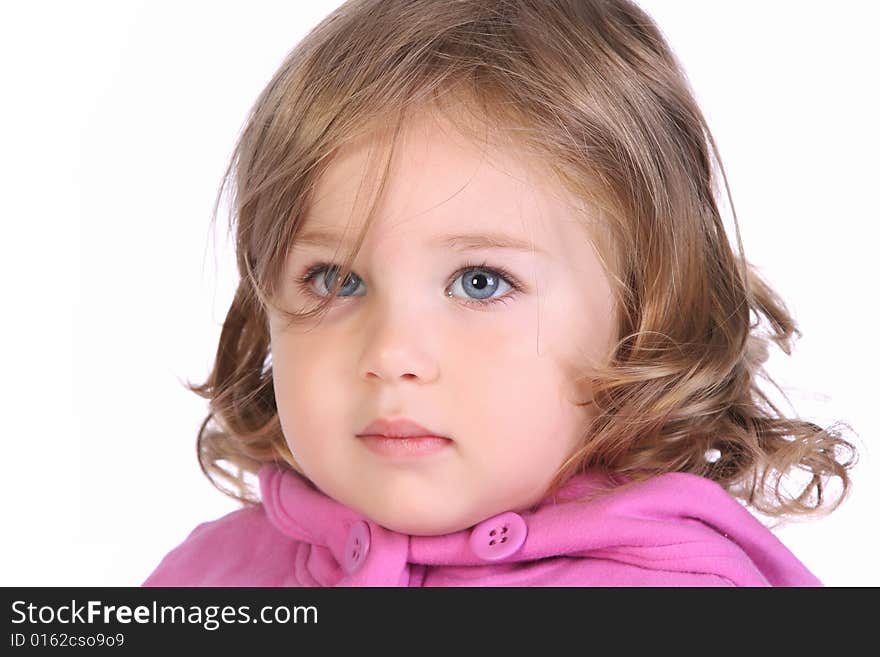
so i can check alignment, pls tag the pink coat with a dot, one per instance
(673, 530)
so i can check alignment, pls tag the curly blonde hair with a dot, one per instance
(590, 90)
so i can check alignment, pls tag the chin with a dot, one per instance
(421, 529)
(419, 526)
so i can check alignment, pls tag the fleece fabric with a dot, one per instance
(675, 529)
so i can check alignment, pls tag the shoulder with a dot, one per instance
(241, 548)
(673, 529)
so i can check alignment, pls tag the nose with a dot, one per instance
(398, 349)
(389, 362)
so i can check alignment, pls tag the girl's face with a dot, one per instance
(474, 342)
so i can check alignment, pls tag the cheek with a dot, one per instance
(578, 336)
(516, 407)
(499, 379)
(304, 385)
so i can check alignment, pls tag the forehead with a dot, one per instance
(443, 188)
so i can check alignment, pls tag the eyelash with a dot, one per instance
(304, 280)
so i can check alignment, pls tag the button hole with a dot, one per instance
(492, 533)
(504, 530)
(492, 542)
(504, 539)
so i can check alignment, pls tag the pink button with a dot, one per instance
(357, 546)
(499, 536)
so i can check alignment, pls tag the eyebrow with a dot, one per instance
(464, 242)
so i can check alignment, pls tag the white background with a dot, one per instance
(117, 120)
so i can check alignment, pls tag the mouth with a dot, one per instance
(405, 448)
(398, 428)
(402, 438)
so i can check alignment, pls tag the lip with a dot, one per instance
(397, 428)
(402, 439)
(405, 449)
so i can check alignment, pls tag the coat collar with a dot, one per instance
(691, 513)
(301, 511)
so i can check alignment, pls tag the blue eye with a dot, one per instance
(328, 280)
(479, 282)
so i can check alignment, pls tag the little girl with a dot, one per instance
(490, 329)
